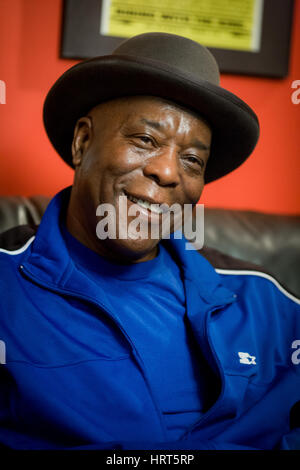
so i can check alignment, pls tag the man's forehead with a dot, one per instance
(140, 108)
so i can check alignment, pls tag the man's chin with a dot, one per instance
(129, 250)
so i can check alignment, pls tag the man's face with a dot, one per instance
(139, 147)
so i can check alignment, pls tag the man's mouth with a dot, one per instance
(149, 205)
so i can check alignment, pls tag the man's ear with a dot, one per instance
(82, 138)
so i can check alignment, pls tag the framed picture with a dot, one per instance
(249, 37)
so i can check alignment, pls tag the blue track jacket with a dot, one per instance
(71, 378)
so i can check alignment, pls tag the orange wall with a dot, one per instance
(29, 64)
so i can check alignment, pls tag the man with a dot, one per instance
(123, 342)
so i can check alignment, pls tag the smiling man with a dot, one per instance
(144, 148)
(130, 340)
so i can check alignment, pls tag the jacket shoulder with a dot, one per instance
(229, 266)
(16, 237)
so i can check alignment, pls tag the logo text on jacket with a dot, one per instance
(246, 358)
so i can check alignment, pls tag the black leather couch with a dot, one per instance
(268, 240)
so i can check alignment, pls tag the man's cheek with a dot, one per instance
(194, 193)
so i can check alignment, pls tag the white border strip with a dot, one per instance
(105, 17)
(264, 275)
(257, 26)
(19, 250)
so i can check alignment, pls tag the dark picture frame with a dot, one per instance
(81, 39)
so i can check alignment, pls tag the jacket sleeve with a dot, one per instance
(291, 441)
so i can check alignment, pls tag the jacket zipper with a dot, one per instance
(212, 409)
(103, 308)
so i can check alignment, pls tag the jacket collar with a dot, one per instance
(49, 259)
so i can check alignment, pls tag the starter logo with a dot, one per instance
(245, 358)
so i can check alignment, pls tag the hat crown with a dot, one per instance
(185, 55)
(155, 64)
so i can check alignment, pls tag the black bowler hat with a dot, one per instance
(163, 65)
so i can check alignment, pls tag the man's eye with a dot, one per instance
(194, 160)
(145, 139)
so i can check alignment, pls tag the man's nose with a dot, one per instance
(163, 168)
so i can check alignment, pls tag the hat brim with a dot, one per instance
(234, 125)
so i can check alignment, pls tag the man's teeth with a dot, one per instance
(147, 205)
